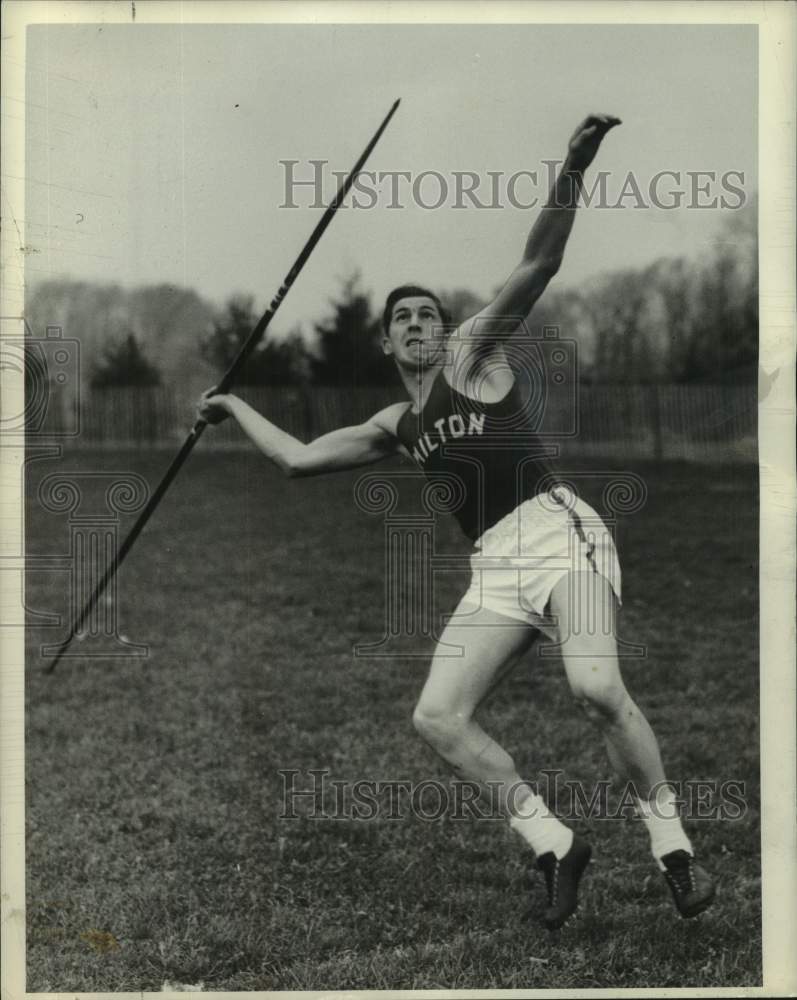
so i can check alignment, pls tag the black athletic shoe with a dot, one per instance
(691, 886)
(561, 880)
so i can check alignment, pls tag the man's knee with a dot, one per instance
(602, 697)
(438, 725)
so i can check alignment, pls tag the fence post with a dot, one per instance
(308, 413)
(654, 404)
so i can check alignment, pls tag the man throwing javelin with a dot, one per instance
(466, 423)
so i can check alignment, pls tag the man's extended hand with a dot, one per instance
(212, 407)
(587, 138)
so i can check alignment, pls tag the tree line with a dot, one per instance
(676, 320)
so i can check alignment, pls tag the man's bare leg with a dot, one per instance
(456, 685)
(445, 718)
(584, 604)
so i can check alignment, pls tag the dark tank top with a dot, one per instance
(485, 457)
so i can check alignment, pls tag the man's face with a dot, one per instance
(411, 338)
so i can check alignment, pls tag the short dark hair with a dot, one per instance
(411, 291)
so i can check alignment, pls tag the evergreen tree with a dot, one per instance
(273, 362)
(124, 364)
(349, 347)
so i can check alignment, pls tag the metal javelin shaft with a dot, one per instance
(223, 386)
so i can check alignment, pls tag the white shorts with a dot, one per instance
(519, 560)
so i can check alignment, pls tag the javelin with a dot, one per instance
(223, 386)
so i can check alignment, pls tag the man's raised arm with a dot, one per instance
(545, 246)
(346, 448)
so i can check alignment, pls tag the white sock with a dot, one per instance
(539, 827)
(664, 825)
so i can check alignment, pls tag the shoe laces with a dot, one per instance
(680, 871)
(551, 872)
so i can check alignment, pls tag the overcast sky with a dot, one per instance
(153, 152)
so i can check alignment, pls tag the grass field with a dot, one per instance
(155, 848)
